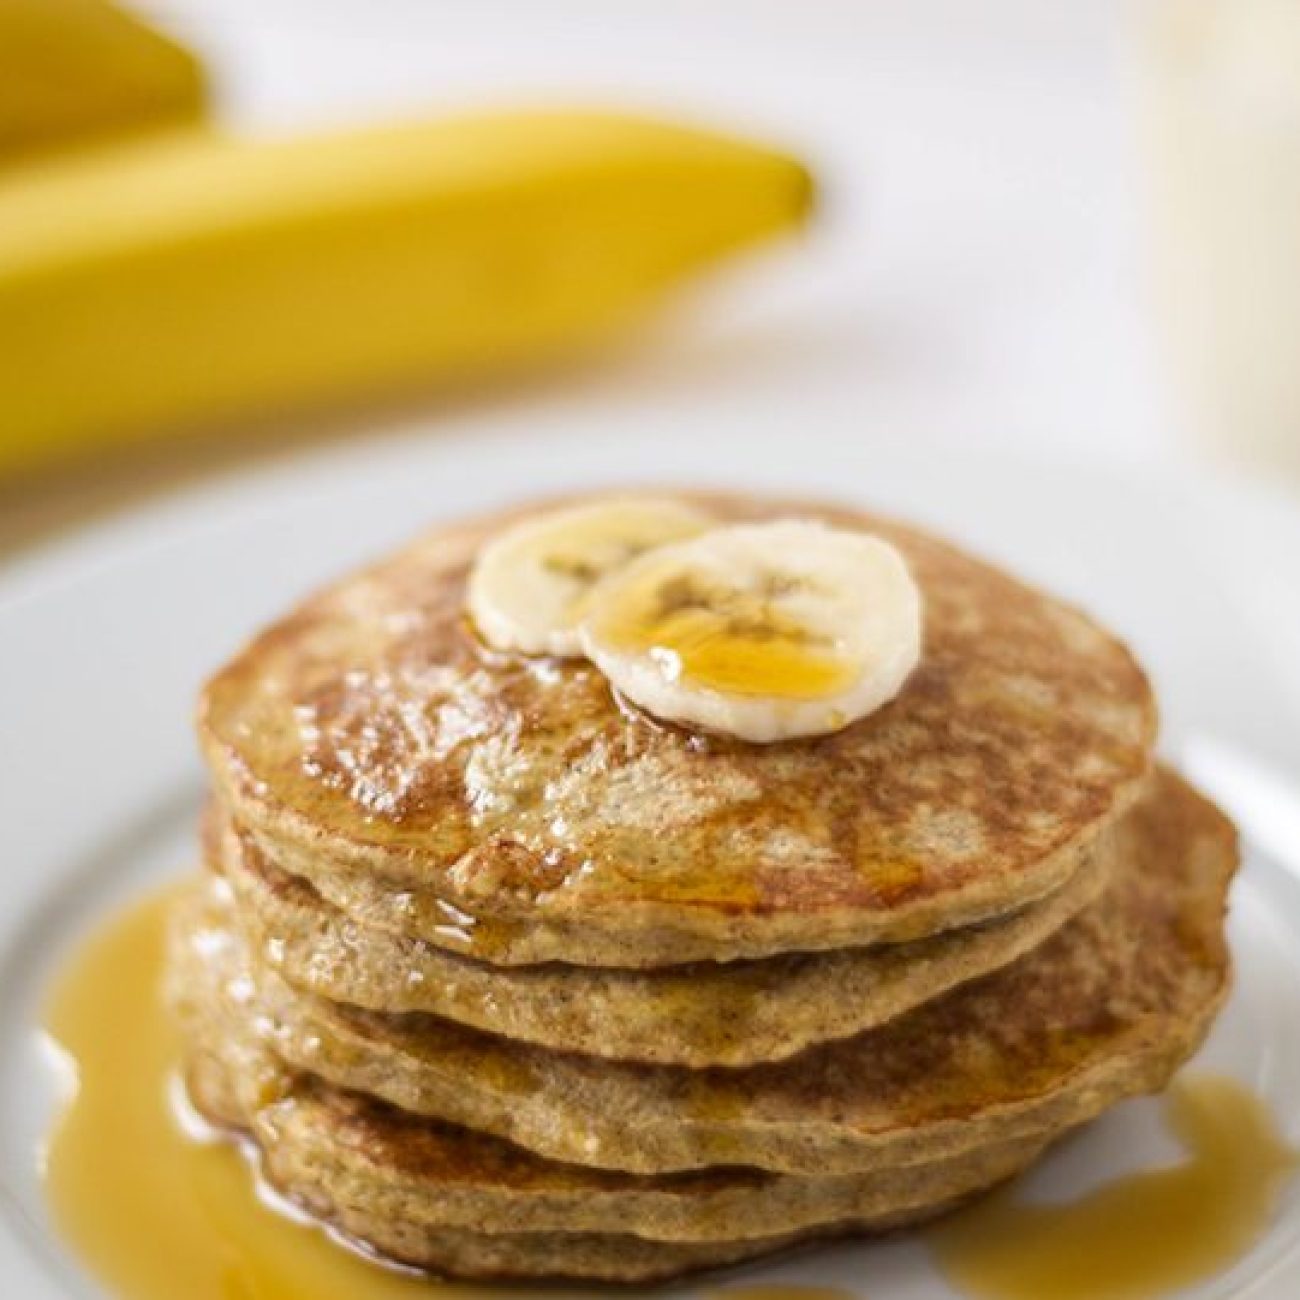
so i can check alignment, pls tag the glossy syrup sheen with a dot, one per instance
(152, 1213)
(727, 640)
(1140, 1236)
(157, 1215)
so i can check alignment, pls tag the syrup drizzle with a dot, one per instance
(156, 1214)
(153, 1213)
(730, 640)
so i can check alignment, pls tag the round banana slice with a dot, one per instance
(765, 631)
(529, 587)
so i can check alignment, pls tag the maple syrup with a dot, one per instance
(1139, 1236)
(156, 1214)
(727, 640)
(152, 1212)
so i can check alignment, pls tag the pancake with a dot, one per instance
(374, 1188)
(366, 1152)
(513, 809)
(1106, 1008)
(707, 1013)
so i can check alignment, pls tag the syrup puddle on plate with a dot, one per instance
(1140, 1236)
(156, 1214)
(153, 1213)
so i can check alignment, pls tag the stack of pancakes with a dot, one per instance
(504, 978)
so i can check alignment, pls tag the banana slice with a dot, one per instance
(765, 631)
(529, 587)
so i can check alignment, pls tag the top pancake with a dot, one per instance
(513, 808)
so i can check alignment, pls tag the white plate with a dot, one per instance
(103, 642)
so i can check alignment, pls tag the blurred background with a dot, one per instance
(1070, 226)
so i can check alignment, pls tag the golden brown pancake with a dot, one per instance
(512, 808)
(361, 1171)
(1106, 1008)
(367, 1152)
(706, 1013)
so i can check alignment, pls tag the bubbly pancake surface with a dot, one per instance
(513, 808)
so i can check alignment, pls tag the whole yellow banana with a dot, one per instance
(191, 279)
(75, 70)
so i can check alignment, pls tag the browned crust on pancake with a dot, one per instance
(374, 1214)
(361, 1151)
(519, 812)
(1107, 1008)
(706, 1013)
